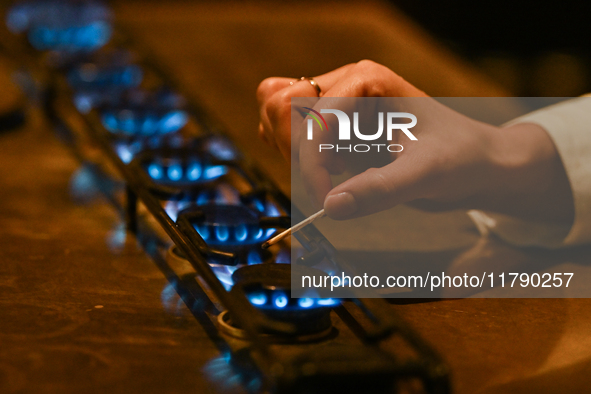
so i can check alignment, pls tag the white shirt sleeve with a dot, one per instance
(569, 125)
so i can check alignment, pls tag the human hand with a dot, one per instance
(457, 162)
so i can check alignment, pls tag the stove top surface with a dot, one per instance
(85, 309)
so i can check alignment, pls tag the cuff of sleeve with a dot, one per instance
(569, 125)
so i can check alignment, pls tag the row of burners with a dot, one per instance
(197, 177)
(216, 208)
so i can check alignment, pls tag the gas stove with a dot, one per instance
(193, 199)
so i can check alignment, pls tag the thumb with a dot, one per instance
(377, 189)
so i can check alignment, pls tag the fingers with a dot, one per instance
(275, 111)
(362, 79)
(316, 165)
(378, 189)
(265, 91)
(375, 189)
(274, 98)
(370, 79)
(270, 86)
(328, 80)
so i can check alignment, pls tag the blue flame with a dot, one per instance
(219, 371)
(222, 149)
(277, 299)
(110, 121)
(326, 301)
(26, 14)
(203, 231)
(124, 153)
(254, 257)
(224, 274)
(71, 39)
(202, 199)
(259, 205)
(173, 121)
(280, 300)
(172, 209)
(272, 210)
(212, 172)
(126, 122)
(259, 234)
(83, 102)
(222, 233)
(194, 171)
(241, 233)
(258, 299)
(149, 125)
(132, 122)
(306, 302)
(175, 172)
(155, 171)
(283, 257)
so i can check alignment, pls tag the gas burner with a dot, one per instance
(267, 287)
(92, 76)
(100, 78)
(219, 194)
(229, 225)
(173, 171)
(93, 84)
(61, 25)
(218, 200)
(215, 148)
(128, 149)
(186, 171)
(82, 38)
(232, 234)
(27, 14)
(140, 113)
(221, 148)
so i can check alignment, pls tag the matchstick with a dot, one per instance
(297, 227)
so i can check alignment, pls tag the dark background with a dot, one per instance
(531, 48)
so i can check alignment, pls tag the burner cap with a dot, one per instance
(268, 286)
